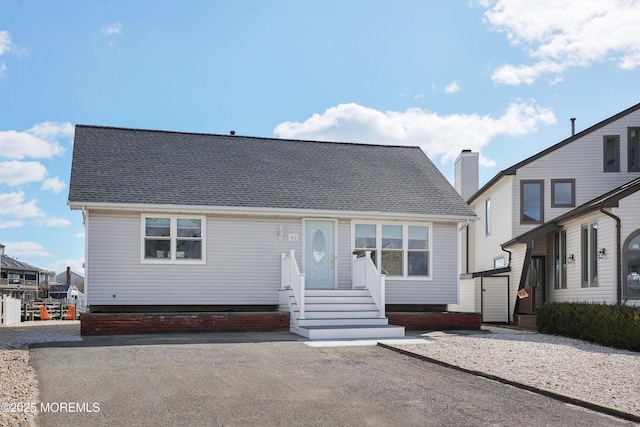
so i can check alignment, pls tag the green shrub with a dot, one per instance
(609, 325)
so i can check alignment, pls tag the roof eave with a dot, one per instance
(256, 211)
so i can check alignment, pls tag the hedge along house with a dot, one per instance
(230, 226)
(561, 225)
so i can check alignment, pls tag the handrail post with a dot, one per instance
(383, 279)
(283, 282)
(301, 307)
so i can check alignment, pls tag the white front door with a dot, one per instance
(319, 253)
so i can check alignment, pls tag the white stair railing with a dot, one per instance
(291, 278)
(365, 275)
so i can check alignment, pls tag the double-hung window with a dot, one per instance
(173, 239)
(399, 250)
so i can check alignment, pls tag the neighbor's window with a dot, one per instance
(633, 147)
(632, 266)
(531, 202)
(488, 216)
(611, 153)
(563, 193)
(560, 260)
(173, 238)
(400, 250)
(589, 254)
(498, 262)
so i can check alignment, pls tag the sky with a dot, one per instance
(499, 77)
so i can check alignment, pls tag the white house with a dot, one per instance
(181, 222)
(562, 225)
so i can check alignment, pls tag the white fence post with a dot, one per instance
(10, 310)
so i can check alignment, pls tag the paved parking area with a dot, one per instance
(272, 379)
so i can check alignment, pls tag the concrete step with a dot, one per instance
(312, 306)
(336, 292)
(361, 314)
(350, 331)
(344, 321)
(347, 299)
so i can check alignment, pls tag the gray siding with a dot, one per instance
(443, 288)
(580, 160)
(242, 264)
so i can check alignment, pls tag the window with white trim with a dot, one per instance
(399, 250)
(169, 239)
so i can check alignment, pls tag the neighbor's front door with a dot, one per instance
(319, 252)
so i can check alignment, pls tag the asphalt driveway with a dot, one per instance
(272, 379)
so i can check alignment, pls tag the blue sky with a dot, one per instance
(499, 77)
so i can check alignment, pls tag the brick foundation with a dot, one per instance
(416, 321)
(144, 323)
(526, 321)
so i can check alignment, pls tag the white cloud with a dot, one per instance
(112, 29)
(452, 88)
(418, 96)
(38, 142)
(439, 136)
(17, 249)
(16, 173)
(5, 42)
(3, 69)
(80, 235)
(54, 185)
(14, 204)
(10, 224)
(559, 35)
(53, 222)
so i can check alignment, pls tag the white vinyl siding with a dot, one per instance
(581, 160)
(501, 226)
(575, 291)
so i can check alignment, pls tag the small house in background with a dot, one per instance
(70, 277)
(18, 278)
(332, 240)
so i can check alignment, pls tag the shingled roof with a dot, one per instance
(134, 166)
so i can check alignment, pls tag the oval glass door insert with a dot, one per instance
(318, 246)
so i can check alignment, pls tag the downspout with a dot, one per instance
(507, 251)
(466, 248)
(523, 275)
(618, 253)
(85, 222)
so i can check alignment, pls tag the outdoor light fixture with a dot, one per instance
(602, 252)
(571, 259)
(280, 233)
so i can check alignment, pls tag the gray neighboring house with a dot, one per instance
(561, 225)
(182, 221)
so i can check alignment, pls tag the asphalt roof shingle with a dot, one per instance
(134, 166)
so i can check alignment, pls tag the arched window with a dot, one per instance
(631, 258)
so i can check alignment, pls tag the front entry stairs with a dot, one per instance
(340, 314)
